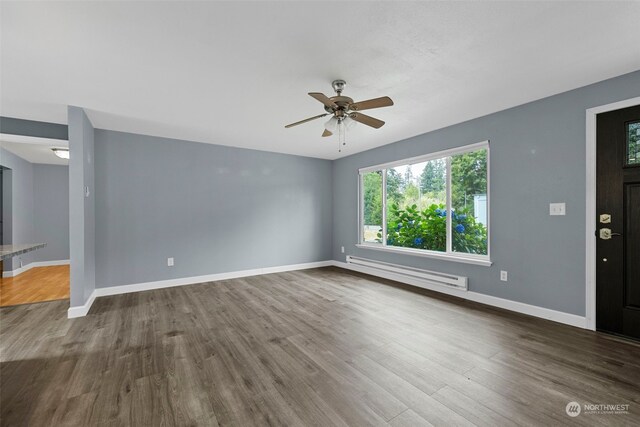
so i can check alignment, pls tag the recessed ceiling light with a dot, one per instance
(63, 153)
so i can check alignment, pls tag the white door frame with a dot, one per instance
(590, 256)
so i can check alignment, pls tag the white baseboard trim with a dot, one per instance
(20, 270)
(519, 307)
(82, 310)
(183, 281)
(531, 310)
(15, 272)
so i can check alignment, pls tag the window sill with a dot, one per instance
(428, 254)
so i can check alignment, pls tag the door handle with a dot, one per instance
(606, 234)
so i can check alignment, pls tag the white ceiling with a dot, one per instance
(234, 73)
(34, 150)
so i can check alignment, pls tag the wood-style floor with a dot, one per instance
(318, 347)
(35, 285)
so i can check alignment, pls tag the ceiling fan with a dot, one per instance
(342, 109)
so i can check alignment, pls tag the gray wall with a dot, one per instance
(81, 206)
(7, 202)
(537, 157)
(51, 211)
(19, 222)
(213, 208)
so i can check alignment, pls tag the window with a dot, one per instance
(435, 205)
(633, 143)
(372, 184)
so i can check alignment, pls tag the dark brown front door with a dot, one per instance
(618, 222)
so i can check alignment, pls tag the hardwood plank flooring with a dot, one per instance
(310, 348)
(35, 285)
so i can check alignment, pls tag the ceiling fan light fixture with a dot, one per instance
(332, 124)
(349, 123)
(63, 153)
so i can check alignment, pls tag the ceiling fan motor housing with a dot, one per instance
(342, 102)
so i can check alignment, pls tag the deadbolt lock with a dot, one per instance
(605, 218)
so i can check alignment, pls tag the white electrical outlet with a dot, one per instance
(342, 249)
(170, 262)
(504, 275)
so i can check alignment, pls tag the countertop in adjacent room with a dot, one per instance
(8, 251)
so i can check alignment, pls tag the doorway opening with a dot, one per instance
(34, 215)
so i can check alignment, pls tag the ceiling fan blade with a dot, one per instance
(323, 98)
(384, 101)
(326, 133)
(367, 120)
(306, 120)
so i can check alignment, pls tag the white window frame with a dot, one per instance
(449, 255)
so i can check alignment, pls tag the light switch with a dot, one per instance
(556, 209)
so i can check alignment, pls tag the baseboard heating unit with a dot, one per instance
(410, 275)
